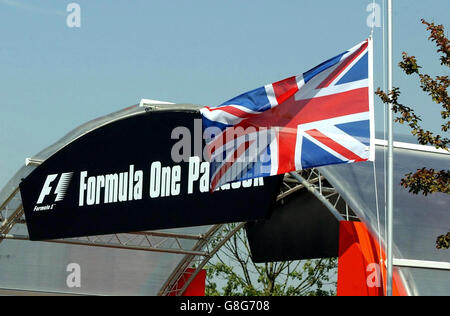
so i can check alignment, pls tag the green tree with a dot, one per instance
(426, 181)
(231, 272)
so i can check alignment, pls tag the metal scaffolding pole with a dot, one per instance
(390, 159)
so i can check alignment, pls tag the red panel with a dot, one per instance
(197, 286)
(360, 272)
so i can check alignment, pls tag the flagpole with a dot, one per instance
(390, 160)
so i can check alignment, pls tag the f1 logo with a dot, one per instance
(61, 187)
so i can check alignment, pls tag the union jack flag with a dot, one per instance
(322, 117)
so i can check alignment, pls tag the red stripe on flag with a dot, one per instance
(285, 89)
(342, 67)
(229, 134)
(293, 113)
(331, 106)
(324, 139)
(229, 163)
(286, 138)
(234, 111)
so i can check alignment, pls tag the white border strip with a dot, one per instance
(145, 102)
(415, 147)
(33, 162)
(407, 263)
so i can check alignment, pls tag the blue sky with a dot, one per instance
(54, 78)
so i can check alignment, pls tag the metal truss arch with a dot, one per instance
(310, 180)
(198, 255)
